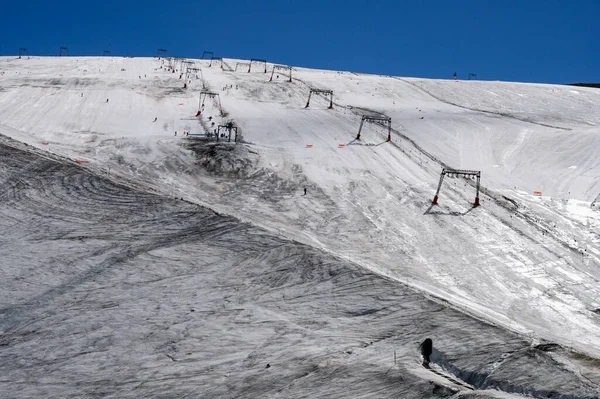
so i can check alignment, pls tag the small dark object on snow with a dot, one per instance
(304, 190)
(426, 349)
(268, 365)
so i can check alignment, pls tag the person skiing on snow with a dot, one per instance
(304, 190)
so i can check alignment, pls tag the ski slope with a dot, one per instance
(526, 263)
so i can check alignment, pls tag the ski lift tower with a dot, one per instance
(186, 68)
(258, 61)
(207, 55)
(242, 64)
(64, 50)
(23, 51)
(191, 71)
(458, 173)
(320, 91)
(216, 59)
(203, 95)
(383, 120)
(472, 75)
(282, 68)
(171, 63)
(177, 63)
(195, 71)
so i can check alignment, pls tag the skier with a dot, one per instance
(175, 133)
(107, 100)
(304, 190)
(155, 119)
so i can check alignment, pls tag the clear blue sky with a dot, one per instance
(554, 41)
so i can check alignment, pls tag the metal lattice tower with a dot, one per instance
(243, 64)
(178, 62)
(216, 59)
(320, 91)
(208, 94)
(186, 65)
(379, 120)
(187, 69)
(258, 61)
(282, 68)
(170, 63)
(195, 71)
(23, 51)
(458, 173)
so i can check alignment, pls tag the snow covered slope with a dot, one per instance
(110, 290)
(525, 262)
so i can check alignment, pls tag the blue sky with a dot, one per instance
(554, 41)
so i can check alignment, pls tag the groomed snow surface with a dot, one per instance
(138, 263)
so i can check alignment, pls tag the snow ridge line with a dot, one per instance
(504, 114)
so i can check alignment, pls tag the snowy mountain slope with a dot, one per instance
(110, 290)
(368, 202)
(387, 226)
